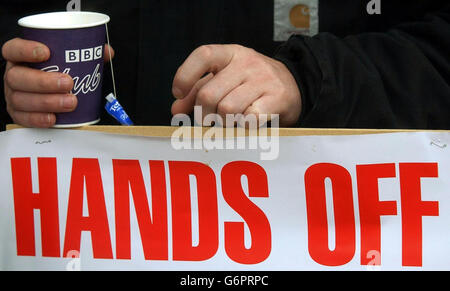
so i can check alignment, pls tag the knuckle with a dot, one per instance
(205, 96)
(13, 99)
(5, 78)
(205, 51)
(10, 111)
(5, 47)
(237, 47)
(14, 116)
(242, 50)
(15, 119)
(269, 76)
(226, 108)
(273, 71)
(253, 60)
(180, 79)
(8, 77)
(267, 68)
(7, 91)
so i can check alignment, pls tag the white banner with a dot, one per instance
(75, 200)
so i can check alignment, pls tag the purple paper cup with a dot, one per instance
(76, 41)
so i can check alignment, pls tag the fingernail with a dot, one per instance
(39, 53)
(46, 119)
(68, 102)
(177, 93)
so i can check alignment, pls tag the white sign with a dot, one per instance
(75, 200)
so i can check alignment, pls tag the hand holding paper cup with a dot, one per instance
(76, 41)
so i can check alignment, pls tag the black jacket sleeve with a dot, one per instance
(397, 79)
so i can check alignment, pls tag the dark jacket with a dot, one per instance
(362, 71)
(394, 79)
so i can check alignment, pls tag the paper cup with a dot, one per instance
(76, 41)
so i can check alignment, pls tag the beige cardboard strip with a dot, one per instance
(167, 131)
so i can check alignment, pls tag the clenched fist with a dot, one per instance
(240, 81)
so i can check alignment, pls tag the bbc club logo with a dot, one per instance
(84, 55)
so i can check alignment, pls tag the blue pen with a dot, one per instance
(116, 110)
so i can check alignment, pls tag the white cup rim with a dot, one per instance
(64, 20)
